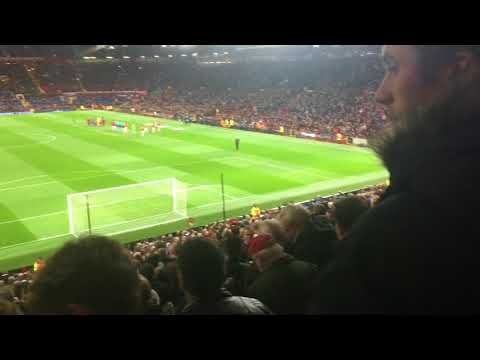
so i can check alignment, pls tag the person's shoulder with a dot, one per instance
(397, 221)
(397, 209)
(246, 305)
(303, 267)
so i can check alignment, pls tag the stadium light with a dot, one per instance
(126, 57)
(184, 55)
(156, 56)
(170, 56)
(194, 54)
(225, 53)
(164, 45)
(143, 56)
(316, 46)
(215, 54)
(109, 57)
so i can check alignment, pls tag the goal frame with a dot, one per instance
(173, 187)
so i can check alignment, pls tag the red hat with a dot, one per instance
(258, 243)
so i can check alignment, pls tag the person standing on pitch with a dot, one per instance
(237, 144)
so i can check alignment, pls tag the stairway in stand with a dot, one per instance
(34, 79)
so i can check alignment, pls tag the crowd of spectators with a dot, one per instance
(320, 112)
(9, 103)
(317, 100)
(395, 250)
(298, 105)
(261, 257)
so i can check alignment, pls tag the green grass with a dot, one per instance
(47, 156)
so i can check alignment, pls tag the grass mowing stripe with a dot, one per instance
(153, 154)
(268, 169)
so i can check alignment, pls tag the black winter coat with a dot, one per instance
(418, 250)
(314, 244)
(285, 287)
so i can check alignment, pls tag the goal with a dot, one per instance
(127, 208)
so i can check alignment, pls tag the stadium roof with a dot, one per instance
(206, 52)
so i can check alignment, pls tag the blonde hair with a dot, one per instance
(274, 229)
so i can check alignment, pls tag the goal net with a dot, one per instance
(127, 208)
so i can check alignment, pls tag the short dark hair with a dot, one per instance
(232, 245)
(202, 266)
(319, 209)
(96, 272)
(147, 270)
(347, 211)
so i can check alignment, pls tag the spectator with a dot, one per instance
(38, 264)
(306, 241)
(284, 282)
(93, 275)
(9, 308)
(150, 301)
(147, 270)
(239, 273)
(346, 212)
(201, 275)
(409, 254)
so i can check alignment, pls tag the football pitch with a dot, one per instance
(47, 156)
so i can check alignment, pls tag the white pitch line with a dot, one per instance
(33, 241)
(23, 179)
(129, 221)
(32, 217)
(122, 201)
(94, 206)
(284, 168)
(109, 174)
(210, 187)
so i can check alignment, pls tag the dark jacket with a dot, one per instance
(226, 304)
(314, 244)
(415, 253)
(239, 276)
(285, 287)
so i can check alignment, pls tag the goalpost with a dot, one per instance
(127, 208)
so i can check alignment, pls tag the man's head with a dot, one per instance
(9, 308)
(147, 270)
(273, 228)
(232, 245)
(319, 209)
(418, 77)
(267, 246)
(201, 269)
(93, 275)
(432, 95)
(293, 219)
(346, 213)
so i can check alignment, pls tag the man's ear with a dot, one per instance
(78, 309)
(339, 231)
(180, 279)
(461, 66)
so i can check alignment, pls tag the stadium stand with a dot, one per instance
(155, 259)
(385, 264)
